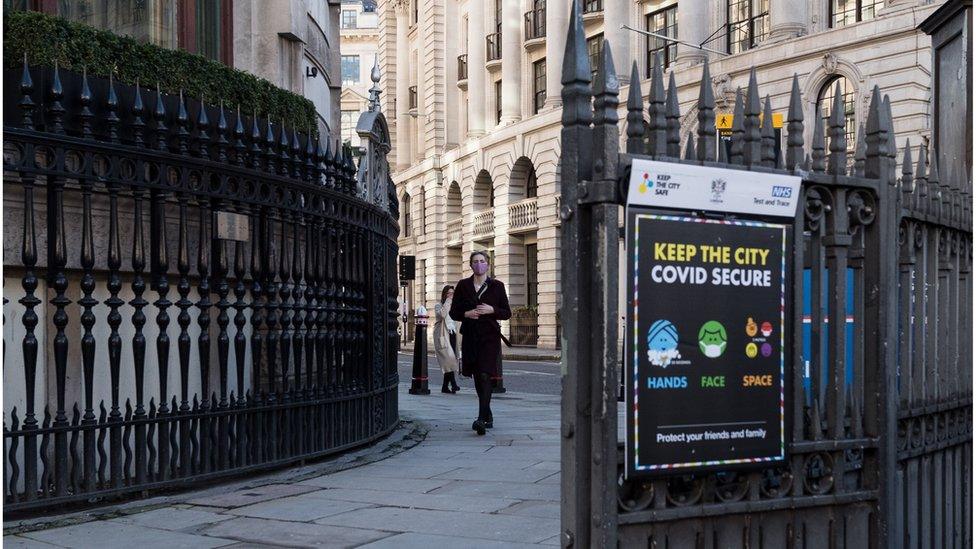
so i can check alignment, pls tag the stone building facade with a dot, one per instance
(475, 85)
(359, 38)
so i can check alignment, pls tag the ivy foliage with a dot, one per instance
(47, 39)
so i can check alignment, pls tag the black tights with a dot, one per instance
(482, 384)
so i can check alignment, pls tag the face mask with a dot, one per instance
(713, 350)
(480, 268)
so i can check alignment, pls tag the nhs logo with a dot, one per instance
(782, 192)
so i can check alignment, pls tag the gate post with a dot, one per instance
(589, 274)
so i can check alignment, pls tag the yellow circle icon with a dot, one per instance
(752, 350)
(751, 328)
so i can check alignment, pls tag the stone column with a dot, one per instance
(476, 69)
(557, 23)
(693, 20)
(787, 19)
(511, 61)
(402, 85)
(617, 13)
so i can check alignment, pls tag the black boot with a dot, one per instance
(490, 422)
(479, 426)
(447, 381)
(454, 384)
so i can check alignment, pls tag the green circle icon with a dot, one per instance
(712, 339)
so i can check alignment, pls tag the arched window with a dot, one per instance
(531, 185)
(825, 99)
(405, 229)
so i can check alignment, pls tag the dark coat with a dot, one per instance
(481, 344)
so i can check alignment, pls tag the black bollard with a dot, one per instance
(497, 383)
(418, 383)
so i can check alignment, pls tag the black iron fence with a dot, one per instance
(276, 313)
(879, 424)
(535, 24)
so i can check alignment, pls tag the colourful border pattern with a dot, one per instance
(782, 350)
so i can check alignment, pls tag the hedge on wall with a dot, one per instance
(46, 39)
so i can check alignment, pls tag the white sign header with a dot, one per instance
(689, 187)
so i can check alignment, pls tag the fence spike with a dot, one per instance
(807, 162)
(921, 181)
(635, 113)
(723, 155)
(837, 161)
(138, 108)
(768, 149)
(255, 150)
(819, 156)
(160, 116)
(85, 115)
(752, 142)
(26, 104)
(860, 152)
(907, 181)
(738, 129)
(706, 116)
(283, 149)
(576, 74)
(876, 137)
(892, 146)
(56, 109)
(605, 89)
(935, 189)
(182, 122)
(310, 163)
(319, 160)
(269, 146)
(690, 153)
(794, 127)
(672, 117)
(239, 146)
(656, 111)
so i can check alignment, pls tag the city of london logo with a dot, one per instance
(718, 191)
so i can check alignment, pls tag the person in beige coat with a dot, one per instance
(445, 341)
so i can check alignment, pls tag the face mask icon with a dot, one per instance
(712, 339)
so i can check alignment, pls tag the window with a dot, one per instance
(531, 184)
(593, 6)
(498, 16)
(825, 99)
(348, 19)
(369, 6)
(538, 85)
(748, 24)
(594, 46)
(663, 22)
(416, 12)
(405, 229)
(846, 12)
(348, 125)
(498, 102)
(350, 69)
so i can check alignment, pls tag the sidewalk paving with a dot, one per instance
(452, 489)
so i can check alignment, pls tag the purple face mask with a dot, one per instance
(480, 268)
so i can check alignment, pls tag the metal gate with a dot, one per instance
(879, 449)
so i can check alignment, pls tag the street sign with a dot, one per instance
(708, 303)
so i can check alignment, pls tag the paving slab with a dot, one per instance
(412, 540)
(443, 502)
(293, 534)
(17, 542)
(365, 482)
(303, 508)
(105, 535)
(449, 523)
(173, 518)
(543, 492)
(249, 496)
(529, 508)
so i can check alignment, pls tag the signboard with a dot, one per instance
(690, 187)
(706, 342)
(707, 336)
(723, 125)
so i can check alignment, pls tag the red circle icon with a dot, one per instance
(767, 329)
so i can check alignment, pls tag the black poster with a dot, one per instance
(706, 341)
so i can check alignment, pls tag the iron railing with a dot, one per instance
(462, 67)
(535, 24)
(285, 337)
(493, 46)
(524, 327)
(878, 406)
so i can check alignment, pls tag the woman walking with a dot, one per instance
(479, 303)
(445, 342)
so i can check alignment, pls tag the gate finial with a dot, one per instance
(859, 152)
(768, 137)
(606, 136)
(794, 127)
(576, 72)
(837, 163)
(706, 116)
(907, 183)
(876, 138)
(635, 114)
(656, 111)
(752, 142)
(26, 104)
(891, 146)
(690, 149)
(935, 189)
(819, 156)
(738, 129)
(672, 115)
(921, 181)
